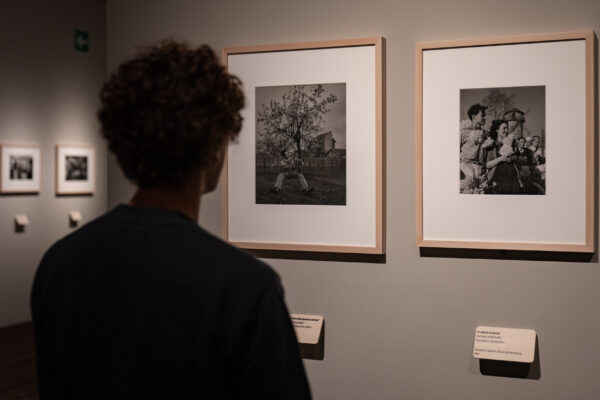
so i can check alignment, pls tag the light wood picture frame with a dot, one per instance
(493, 96)
(20, 168)
(322, 190)
(75, 169)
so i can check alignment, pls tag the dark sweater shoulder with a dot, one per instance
(185, 314)
(163, 241)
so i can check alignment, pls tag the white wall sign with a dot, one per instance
(75, 216)
(505, 344)
(307, 327)
(21, 220)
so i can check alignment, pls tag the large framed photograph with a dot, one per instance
(75, 169)
(307, 171)
(505, 149)
(20, 168)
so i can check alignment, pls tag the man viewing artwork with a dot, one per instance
(142, 303)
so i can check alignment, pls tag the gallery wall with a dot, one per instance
(49, 96)
(403, 329)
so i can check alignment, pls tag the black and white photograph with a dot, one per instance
(301, 144)
(510, 118)
(503, 140)
(76, 168)
(21, 167)
(306, 173)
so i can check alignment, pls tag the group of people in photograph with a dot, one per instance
(501, 160)
(76, 168)
(21, 167)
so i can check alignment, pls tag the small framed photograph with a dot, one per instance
(75, 169)
(20, 168)
(505, 149)
(307, 171)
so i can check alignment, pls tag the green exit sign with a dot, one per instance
(82, 41)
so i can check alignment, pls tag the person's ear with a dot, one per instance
(219, 155)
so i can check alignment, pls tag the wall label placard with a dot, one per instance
(307, 327)
(21, 220)
(504, 344)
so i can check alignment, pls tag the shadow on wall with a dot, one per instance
(510, 369)
(507, 254)
(314, 351)
(318, 256)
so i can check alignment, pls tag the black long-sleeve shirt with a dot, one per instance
(144, 304)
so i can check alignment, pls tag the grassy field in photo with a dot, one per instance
(329, 188)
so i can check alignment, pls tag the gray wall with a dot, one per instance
(49, 95)
(404, 329)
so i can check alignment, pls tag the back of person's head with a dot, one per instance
(168, 111)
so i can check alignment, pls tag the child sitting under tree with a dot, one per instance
(290, 166)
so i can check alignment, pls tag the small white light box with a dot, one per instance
(75, 218)
(21, 220)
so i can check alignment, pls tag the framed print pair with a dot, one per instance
(21, 171)
(505, 149)
(306, 173)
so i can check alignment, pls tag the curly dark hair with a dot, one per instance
(168, 111)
